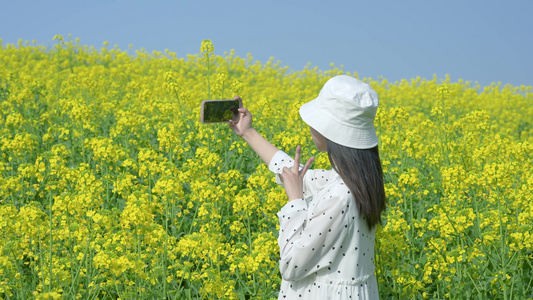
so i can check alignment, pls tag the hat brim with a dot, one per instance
(332, 129)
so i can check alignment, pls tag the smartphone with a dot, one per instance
(220, 111)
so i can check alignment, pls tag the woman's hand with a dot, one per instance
(293, 178)
(243, 128)
(244, 123)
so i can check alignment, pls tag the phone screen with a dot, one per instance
(215, 111)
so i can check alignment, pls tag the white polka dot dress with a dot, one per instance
(326, 247)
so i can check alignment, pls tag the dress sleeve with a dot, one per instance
(278, 162)
(310, 240)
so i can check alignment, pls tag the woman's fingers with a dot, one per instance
(293, 177)
(297, 162)
(244, 113)
(243, 123)
(297, 159)
(307, 165)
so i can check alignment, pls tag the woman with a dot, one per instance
(327, 228)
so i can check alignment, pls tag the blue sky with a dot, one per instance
(478, 41)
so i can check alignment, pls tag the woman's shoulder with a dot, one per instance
(334, 193)
(322, 176)
(315, 180)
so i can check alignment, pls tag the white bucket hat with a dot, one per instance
(344, 112)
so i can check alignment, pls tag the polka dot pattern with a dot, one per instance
(326, 248)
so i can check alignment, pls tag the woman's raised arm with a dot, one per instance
(244, 129)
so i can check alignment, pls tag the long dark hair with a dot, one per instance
(361, 171)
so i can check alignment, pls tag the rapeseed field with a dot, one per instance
(111, 187)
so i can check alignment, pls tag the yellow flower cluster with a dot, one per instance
(110, 187)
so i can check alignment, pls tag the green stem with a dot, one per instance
(51, 240)
(165, 251)
(40, 254)
(107, 186)
(503, 252)
(20, 277)
(70, 252)
(208, 75)
(58, 88)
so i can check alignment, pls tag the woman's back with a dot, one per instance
(326, 247)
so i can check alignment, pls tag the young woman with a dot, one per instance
(327, 228)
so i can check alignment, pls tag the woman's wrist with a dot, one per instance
(246, 134)
(294, 196)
